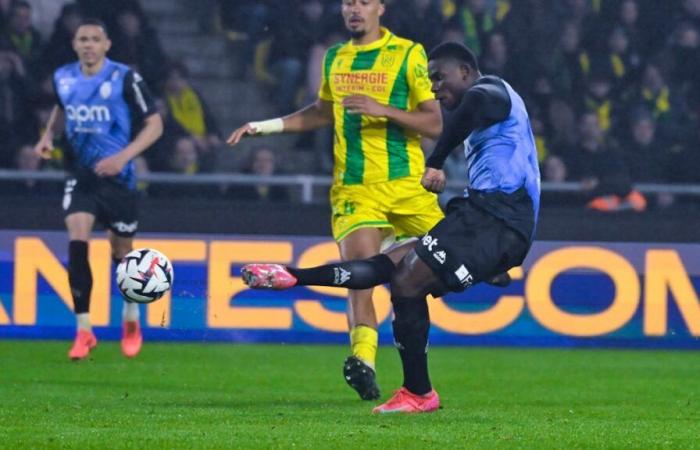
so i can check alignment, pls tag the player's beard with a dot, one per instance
(357, 34)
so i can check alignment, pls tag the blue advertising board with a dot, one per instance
(565, 294)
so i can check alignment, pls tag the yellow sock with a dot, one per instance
(363, 341)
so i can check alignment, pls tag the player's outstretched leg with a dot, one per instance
(362, 274)
(267, 276)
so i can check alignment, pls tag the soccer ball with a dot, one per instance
(144, 275)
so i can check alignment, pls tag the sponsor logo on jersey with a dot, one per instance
(64, 84)
(441, 256)
(429, 242)
(466, 278)
(106, 90)
(84, 113)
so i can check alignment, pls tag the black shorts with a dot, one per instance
(470, 245)
(114, 205)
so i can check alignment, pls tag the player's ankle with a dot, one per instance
(83, 321)
(363, 342)
(130, 312)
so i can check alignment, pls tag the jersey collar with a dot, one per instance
(381, 42)
(105, 67)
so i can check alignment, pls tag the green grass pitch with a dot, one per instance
(291, 396)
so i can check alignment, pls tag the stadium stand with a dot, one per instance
(578, 60)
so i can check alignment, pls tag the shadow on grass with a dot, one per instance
(282, 404)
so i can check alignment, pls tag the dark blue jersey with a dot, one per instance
(503, 173)
(103, 112)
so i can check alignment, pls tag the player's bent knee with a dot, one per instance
(411, 278)
(403, 284)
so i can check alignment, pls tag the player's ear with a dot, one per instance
(465, 71)
(382, 8)
(108, 44)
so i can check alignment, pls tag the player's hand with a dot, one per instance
(43, 148)
(236, 136)
(110, 166)
(434, 180)
(361, 104)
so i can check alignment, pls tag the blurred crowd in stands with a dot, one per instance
(27, 62)
(612, 86)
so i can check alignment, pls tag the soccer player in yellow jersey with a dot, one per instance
(377, 94)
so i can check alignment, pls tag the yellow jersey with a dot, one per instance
(393, 71)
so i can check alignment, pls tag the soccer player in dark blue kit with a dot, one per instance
(484, 233)
(110, 118)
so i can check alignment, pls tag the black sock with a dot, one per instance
(411, 326)
(362, 274)
(79, 275)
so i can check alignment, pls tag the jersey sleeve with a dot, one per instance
(419, 84)
(138, 96)
(324, 93)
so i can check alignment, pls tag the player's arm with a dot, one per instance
(151, 131)
(421, 113)
(426, 119)
(481, 106)
(316, 115)
(143, 109)
(45, 145)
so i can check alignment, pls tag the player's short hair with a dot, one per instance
(94, 22)
(455, 50)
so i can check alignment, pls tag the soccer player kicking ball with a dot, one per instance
(104, 105)
(376, 93)
(485, 233)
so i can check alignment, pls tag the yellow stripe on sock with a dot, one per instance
(363, 341)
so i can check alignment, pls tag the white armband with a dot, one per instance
(271, 126)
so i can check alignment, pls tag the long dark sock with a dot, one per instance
(411, 327)
(362, 274)
(79, 275)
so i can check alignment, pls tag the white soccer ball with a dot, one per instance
(144, 275)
